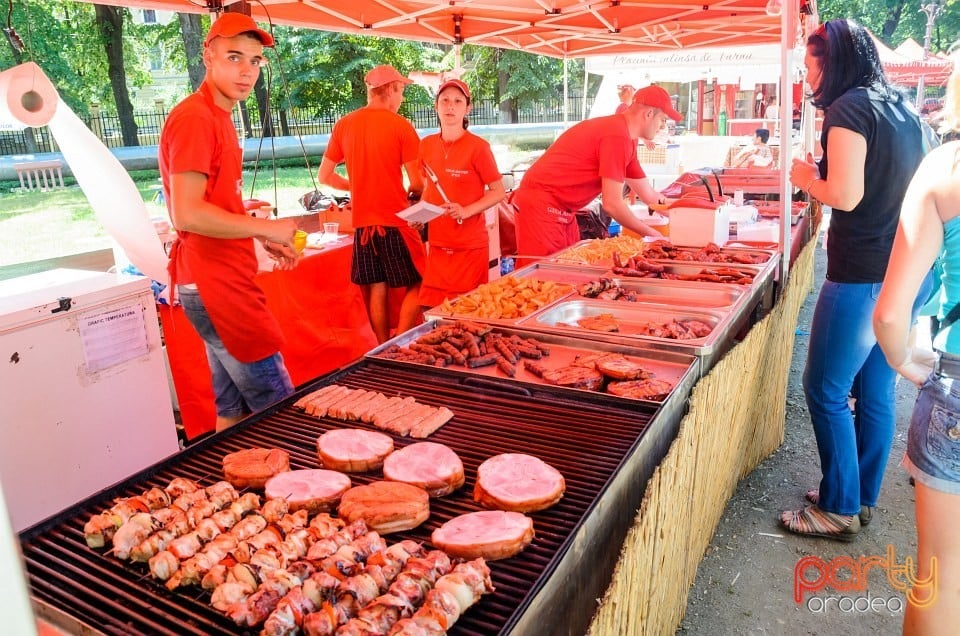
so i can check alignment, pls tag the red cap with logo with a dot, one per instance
(657, 98)
(232, 24)
(384, 74)
(458, 84)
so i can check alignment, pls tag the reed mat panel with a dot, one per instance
(736, 419)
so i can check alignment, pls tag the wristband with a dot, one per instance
(810, 184)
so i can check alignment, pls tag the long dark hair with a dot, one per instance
(848, 59)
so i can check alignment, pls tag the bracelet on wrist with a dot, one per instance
(810, 183)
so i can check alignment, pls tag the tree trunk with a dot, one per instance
(505, 107)
(192, 33)
(29, 142)
(263, 107)
(110, 26)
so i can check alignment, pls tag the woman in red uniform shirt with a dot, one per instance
(467, 183)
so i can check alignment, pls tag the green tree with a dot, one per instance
(110, 26)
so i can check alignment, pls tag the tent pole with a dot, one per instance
(788, 30)
(565, 89)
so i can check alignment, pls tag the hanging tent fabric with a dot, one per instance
(559, 28)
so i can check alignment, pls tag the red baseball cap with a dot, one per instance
(657, 98)
(384, 74)
(461, 86)
(230, 24)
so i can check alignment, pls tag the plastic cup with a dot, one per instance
(331, 228)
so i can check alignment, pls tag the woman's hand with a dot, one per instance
(803, 172)
(455, 211)
(918, 366)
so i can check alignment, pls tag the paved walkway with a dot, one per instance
(746, 580)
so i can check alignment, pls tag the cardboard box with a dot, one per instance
(695, 227)
(342, 215)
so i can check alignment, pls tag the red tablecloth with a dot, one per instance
(322, 316)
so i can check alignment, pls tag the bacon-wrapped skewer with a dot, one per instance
(417, 576)
(101, 528)
(321, 587)
(453, 594)
(348, 558)
(233, 585)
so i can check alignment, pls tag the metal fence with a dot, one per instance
(302, 121)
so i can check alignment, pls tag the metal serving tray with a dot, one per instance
(667, 292)
(769, 255)
(679, 368)
(436, 313)
(631, 317)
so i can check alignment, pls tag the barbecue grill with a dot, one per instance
(605, 447)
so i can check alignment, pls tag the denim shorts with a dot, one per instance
(239, 388)
(933, 441)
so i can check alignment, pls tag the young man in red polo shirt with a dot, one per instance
(594, 157)
(378, 146)
(212, 262)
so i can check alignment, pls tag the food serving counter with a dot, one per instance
(605, 447)
(652, 312)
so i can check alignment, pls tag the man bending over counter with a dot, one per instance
(594, 157)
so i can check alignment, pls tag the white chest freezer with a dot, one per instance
(85, 400)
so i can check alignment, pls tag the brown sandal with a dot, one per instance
(811, 521)
(866, 512)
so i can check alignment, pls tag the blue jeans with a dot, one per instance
(843, 360)
(239, 388)
(933, 442)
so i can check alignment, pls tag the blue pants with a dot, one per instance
(239, 388)
(843, 360)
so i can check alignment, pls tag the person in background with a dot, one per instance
(773, 108)
(872, 138)
(594, 157)
(930, 231)
(757, 155)
(468, 182)
(378, 146)
(625, 92)
(212, 261)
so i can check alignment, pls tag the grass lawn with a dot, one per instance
(39, 225)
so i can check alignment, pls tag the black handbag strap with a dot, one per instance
(951, 317)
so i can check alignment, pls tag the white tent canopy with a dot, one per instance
(745, 66)
(728, 65)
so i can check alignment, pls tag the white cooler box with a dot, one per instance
(695, 226)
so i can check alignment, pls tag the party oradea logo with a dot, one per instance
(842, 583)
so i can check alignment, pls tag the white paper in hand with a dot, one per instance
(421, 212)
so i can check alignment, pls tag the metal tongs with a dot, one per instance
(436, 182)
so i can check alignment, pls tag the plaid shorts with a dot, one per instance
(380, 255)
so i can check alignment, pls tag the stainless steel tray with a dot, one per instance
(659, 291)
(437, 313)
(561, 259)
(680, 368)
(562, 318)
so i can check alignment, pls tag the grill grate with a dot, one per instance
(585, 438)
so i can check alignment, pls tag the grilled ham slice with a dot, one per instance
(431, 466)
(314, 490)
(518, 482)
(352, 450)
(491, 534)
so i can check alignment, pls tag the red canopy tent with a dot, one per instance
(556, 28)
(907, 65)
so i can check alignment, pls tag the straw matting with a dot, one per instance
(736, 419)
